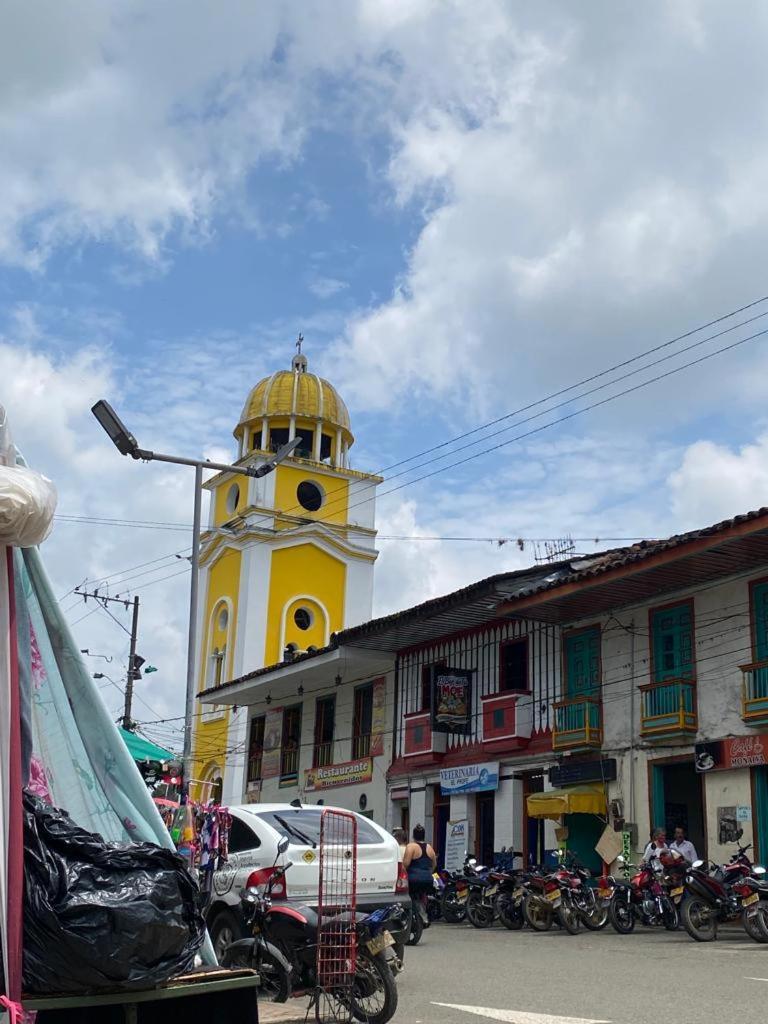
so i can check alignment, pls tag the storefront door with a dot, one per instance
(442, 814)
(760, 812)
(485, 827)
(534, 849)
(677, 800)
(584, 830)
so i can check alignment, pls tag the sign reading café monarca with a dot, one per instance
(347, 774)
(470, 778)
(736, 752)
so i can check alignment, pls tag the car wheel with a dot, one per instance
(224, 930)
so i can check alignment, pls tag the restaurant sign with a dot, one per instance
(470, 778)
(736, 752)
(347, 774)
(451, 700)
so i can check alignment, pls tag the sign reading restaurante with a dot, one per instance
(347, 774)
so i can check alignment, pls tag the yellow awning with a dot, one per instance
(573, 800)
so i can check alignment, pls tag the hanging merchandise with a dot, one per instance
(102, 916)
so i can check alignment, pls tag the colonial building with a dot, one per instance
(287, 559)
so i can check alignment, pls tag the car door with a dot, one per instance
(247, 852)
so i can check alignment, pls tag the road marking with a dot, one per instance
(756, 979)
(520, 1016)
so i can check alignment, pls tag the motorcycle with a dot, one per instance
(284, 943)
(592, 913)
(652, 895)
(455, 895)
(548, 899)
(718, 894)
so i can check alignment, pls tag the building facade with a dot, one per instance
(574, 705)
(287, 559)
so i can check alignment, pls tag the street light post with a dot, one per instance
(127, 444)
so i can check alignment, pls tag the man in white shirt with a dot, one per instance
(657, 844)
(683, 846)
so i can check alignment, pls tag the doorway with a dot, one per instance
(677, 799)
(441, 816)
(485, 817)
(760, 812)
(584, 831)
(533, 831)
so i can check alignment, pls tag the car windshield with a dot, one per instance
(304, 824)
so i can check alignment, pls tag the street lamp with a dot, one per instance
(127, 444)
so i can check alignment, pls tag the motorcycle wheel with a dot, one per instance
(434, 908)
(698, 920)
(537, 916)
(621, 916)
(594, 915)
(374, 993)
(452, 910)
(569, 918)
(417, 927)
(671, 917)
(511, 915)
(479, 915)
(274, 980)
(756, 926)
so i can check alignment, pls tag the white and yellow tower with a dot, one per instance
(287, 559)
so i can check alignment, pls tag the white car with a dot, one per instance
(256, 831)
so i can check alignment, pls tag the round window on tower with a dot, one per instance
(233, 499)
(223, 619)
(303, 618)
(310, 496)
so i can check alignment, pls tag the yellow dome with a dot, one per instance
(295, 392)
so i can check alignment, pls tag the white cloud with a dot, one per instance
(715, 481)
(326, 287)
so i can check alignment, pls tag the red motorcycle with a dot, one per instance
(652, 896)
(721, 894)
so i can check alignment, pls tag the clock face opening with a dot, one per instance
(303, 618)
(310, 496)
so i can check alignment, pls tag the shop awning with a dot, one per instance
(143, 750)
(573, 800)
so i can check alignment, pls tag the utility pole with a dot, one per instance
(134, 660)
(133, 670)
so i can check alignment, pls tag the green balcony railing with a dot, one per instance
(578, 723)
(668, 708)
(754, 701)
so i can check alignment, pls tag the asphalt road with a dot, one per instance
(459, 974)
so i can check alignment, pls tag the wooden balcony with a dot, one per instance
(578, 724)
(668, 709)
(754, 698)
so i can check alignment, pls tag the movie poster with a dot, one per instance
(452, 700)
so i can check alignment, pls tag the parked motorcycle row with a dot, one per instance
(283, 944)
(666, 894)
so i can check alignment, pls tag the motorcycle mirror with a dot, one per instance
(283, 844)
(621, 860)
(758, 869)
(698, 864)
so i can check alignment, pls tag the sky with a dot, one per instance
(465, 209)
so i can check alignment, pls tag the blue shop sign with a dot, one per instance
(470, 778)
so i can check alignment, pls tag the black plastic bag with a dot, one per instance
(102, 916)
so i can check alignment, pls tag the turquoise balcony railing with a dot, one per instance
(668, 708)
(578, 723)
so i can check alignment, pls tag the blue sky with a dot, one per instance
(463, 207)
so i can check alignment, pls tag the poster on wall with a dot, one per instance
(456, 837)
(452, 700)
(273, 735)
(470, 778)
(379, 717)
(347, 774)
(727, 825)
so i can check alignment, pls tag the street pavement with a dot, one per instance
(459, 974)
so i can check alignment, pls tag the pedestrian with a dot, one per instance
(655, 848)
(420, 861)
(683, 846)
